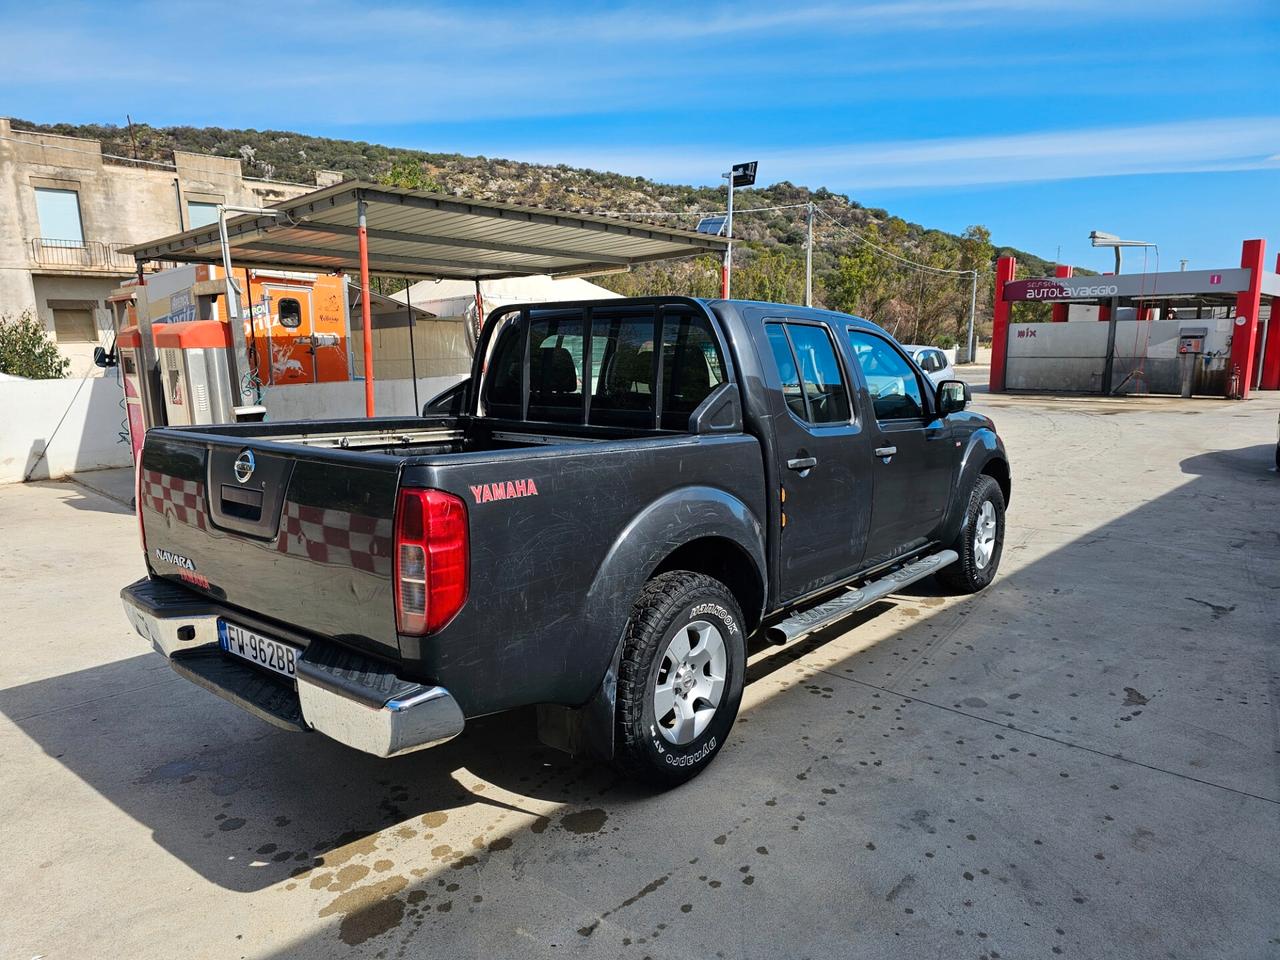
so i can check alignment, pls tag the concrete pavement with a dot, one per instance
(1082, 761)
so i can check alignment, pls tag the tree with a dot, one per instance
(864, 282)
(409, 172)
(772, 276)
(26, 350)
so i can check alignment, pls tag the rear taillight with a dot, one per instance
(137, 504)
(432, 551)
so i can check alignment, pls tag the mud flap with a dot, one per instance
(586, 731)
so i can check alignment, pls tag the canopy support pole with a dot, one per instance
(362, 234)
(413, 357)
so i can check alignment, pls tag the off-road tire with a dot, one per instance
(671, 602)
(964, 576)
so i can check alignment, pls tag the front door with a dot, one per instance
(912, 454)
(822, 450)
(289, 335)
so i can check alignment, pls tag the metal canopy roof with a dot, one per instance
(417, 234)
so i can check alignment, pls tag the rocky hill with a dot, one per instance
(849, 272)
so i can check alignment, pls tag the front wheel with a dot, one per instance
(981, 540)
(680, 679)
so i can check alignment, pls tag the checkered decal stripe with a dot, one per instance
(336, 537)
(170, 496)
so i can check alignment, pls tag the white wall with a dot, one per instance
(1072, 356)
(78, 420)
(92, 418)
(331, 401)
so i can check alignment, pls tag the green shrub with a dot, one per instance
(26, 350)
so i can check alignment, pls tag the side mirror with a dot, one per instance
(953, 396)
(103, 359)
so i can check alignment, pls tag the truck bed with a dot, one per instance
(307, 541)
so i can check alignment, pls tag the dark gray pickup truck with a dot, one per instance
(594, 523)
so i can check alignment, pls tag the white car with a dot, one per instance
(932, 361)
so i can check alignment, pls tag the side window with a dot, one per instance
(893, 384)
(812, 383)
(290, 313)
(787, 372)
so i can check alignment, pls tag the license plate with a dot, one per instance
(266, 652)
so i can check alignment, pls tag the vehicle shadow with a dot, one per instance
(198, 773)
(207, 764)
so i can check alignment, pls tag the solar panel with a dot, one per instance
(712, 225)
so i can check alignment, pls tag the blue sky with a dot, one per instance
(1042, 119)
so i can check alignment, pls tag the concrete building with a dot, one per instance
(66, 210)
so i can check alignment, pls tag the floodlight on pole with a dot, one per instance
(1098, 238)
(739, 175)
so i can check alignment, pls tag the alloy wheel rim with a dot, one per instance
(690, 683)
(984, 535)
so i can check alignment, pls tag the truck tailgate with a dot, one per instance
(303, 536)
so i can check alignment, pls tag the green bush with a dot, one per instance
(26, 350)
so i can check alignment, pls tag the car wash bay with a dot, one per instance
(1081, 761)
(1202, 332)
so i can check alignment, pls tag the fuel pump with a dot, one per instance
(1190, 350)
(194, 369)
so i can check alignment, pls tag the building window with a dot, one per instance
(201, 214)
(59, 212)
(74, 325)
(290, 313)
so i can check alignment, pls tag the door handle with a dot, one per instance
(802, 463)
(886, 451)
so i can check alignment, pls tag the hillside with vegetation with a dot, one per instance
(855, 247)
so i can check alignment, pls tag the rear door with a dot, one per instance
(290, 340)
(826, 488)
(912, 454)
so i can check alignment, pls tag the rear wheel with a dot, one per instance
(981, 540)
(680, 679)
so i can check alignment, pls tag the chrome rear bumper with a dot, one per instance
(386, 718)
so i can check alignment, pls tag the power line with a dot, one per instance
(889, 253)
(693, 213)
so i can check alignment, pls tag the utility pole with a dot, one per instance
(808, 257)
(973, 310)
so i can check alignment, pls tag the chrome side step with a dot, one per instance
(858, 598)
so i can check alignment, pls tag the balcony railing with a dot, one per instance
(91, 255)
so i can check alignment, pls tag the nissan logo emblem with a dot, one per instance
(244, 466)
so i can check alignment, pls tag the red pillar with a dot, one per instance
(1006, 267)
(1271, 360)
(1060, 309)
(1244, 332)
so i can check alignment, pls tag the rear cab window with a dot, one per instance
(603, 366)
